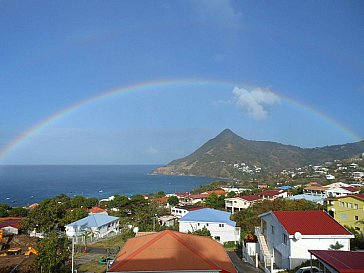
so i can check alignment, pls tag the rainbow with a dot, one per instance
(43, 124)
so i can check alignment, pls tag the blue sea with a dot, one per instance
(24, 185)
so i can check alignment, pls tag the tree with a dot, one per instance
(214, 201)
(4, 210)
(173, 200)
(231, 194)
(120, 201)
(45, 217)
(72, 216)
(201, 232)
(78, 201)
(19, 211)
(336, 246)
(53, 254)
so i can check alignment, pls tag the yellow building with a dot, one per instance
(348, 211)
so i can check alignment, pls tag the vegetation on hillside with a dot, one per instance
(216, 158)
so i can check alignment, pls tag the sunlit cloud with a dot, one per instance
(254, 102)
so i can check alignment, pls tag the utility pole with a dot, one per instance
(73, 252)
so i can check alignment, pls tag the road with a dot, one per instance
(242, 267)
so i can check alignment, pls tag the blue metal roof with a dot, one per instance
(307, 197)
(209, 216)
(94, 220)
(285, 187)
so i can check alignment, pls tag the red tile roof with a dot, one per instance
(342, 261)
(218, 192)
(96, 210)
(10, 222)
(249, 197)
(162, 200)
(198, 196)
(357, 196)
(270, 192)
(172, 251)
(309, 222)
(352, 189)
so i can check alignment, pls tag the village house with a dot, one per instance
(171, 251)
(95, 226)
(10, 225)
(316, 199)
(286, 236)
(218, 222)
(273, 194)
(348, 210)
(340, 191)
(180, 211)
(240, 202)
(315, 190)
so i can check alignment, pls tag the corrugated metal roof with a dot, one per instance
(309, 222)
(342, 261)
(208, 215)
(94, 220)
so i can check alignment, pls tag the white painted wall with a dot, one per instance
(225, 232)
(294, 252)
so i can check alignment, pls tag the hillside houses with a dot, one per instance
(240, 202)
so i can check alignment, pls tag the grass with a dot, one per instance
(115, 241)
(92, 267)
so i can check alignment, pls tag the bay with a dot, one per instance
(27, 184)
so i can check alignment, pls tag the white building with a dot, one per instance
(240, 202)
(337, 192)
(218, 222)
(95, 226)
(180, 211)
(286, 236)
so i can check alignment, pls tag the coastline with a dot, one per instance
(27, 184)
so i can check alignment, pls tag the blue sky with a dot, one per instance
(284, 71)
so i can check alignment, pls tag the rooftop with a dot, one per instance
(342, 261)
(208, 215)
(94, 220)
(309, 222)
(172, 251)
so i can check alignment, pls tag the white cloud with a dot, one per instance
(152, 151)
(254, 102)
(219, 12)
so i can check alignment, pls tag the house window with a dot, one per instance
(285, 239)
(356, 218)
(356, 206)
(341, 204)
(198, 224)
(351, 205)
(272, 229)
(217, 238)
(207, 224)
(347, 204)
(221, 225)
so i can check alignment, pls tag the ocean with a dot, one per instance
(25, 185)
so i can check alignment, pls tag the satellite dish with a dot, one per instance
(297, 235)
(135, 230)
(130, 226)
